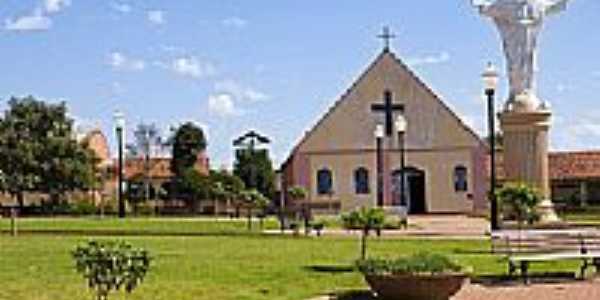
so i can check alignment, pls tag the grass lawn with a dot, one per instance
(223, 267)
(591, 218)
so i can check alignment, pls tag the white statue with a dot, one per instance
(519, 23)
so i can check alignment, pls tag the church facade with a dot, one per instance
(337, 161)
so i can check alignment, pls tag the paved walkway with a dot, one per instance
(431, 226)
(588, 290)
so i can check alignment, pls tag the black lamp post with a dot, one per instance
(401, 125)
(119, 127)
(490, 81)
(379, 135)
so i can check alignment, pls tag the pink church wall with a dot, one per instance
(480, 182)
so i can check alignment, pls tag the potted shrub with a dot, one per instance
(423, 276)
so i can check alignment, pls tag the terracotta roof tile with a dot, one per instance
(563, 165)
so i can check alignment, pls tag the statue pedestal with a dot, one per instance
(526, 152)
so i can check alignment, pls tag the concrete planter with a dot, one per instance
(416, 287)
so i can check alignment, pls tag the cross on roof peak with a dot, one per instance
(386, 36)
(388, 108)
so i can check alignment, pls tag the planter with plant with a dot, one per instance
(423, 276)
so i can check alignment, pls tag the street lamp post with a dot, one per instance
(490, 82)
(379, 134)
(401, 125)
(119, 119)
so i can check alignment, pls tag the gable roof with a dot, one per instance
(410, 73)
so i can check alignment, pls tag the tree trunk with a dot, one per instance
(20, 200)
(249, 218)
(363, 245)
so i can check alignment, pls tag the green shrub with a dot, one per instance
(83, 208)
(318, 226)
(420, 263)
(111, 265)
(365, 220)
(521, 200)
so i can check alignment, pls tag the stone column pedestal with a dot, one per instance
(526, 153)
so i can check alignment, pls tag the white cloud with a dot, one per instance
(240, 92)
(192, 67)
(222, 105)
(235, 22)
(157, 17)
(121, 7)
(55, 6)
(120, 61)
(434, 59)
(39, 19)
(35, 22)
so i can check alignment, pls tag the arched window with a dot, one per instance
(324, 182)
(461, 183)
(361, 181)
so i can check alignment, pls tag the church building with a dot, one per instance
(338, 160)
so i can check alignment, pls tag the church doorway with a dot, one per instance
(414, 189)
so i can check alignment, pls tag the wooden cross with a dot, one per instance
(388, 108)
(386, 36)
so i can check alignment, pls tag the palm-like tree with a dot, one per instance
(253, 199)
(365, 220)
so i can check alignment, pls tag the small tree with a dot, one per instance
(225, 187)
(193, 187)
(252, 199)
(365, 220)
(521, 200)
(111, 265)
(299, 193)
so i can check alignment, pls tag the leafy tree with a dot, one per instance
(255, 168)
(188, 142)
(365, 220)
(522, 200)
(194, 187)
(299, 193)
(111, 265)
(225, 187)
(38, 151)
(253, 199)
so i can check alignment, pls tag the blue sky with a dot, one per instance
(276, 65)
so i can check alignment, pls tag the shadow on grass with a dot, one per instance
(331, 269)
